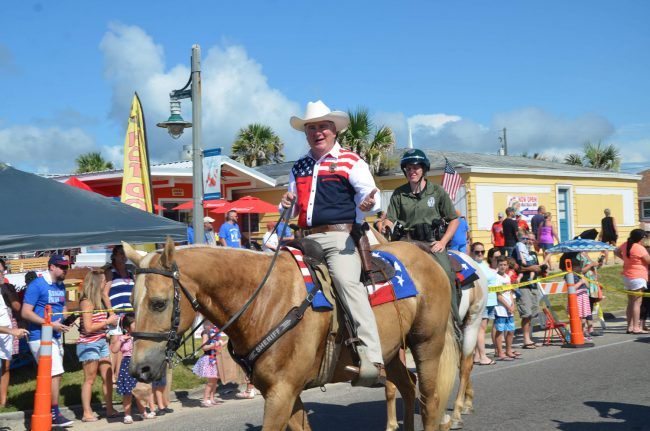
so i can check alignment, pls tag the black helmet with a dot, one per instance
(415, 157)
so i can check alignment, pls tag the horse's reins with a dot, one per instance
(172, 337)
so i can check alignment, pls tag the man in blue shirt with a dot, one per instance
(459, 240)
(229, 233)
(283, 230)
(49, 290)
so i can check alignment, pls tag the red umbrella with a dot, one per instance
(213, 204)
(76, 182)
(248, 205)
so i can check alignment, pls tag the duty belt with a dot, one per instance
(341, 227)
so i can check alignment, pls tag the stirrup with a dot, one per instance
(368, 374)
(374, 376)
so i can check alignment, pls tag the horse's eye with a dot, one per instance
(158, 304)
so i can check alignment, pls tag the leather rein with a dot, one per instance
(174, 339)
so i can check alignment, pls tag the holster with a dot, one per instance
(364, 253)
(358, 233)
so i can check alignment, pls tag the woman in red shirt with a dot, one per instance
(635, 277)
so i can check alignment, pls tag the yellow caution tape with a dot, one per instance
(615, 289)
(106, 310)
(504, 287)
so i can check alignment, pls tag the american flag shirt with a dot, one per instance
(330, 189)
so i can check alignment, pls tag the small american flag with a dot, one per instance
(451, 180)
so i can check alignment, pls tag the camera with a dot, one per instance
(71, 319)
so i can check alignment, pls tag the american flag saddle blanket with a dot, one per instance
(400, 286)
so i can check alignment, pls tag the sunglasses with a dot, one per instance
(479, 251)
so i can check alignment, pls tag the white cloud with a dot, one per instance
(432, 121)
(235, 92)
(529, 130)
(44, 150)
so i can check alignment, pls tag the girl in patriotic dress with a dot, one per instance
(125, 382)
(206, 366)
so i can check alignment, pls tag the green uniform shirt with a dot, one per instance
(434, 203)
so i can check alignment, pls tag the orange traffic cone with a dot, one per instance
(42, 417)
(577, 336)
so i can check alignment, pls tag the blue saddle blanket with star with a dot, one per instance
(399, 287)
(467, 274)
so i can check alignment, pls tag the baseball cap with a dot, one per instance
(500, 214)
(207, 219)
(58, 259)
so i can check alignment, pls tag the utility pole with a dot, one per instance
(504, 144)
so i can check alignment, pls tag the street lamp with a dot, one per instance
(175, 126)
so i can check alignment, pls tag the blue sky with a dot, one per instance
(554, 73)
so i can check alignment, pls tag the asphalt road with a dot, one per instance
(605, 387)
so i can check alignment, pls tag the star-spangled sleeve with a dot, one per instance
(291, 188)
(363, 182)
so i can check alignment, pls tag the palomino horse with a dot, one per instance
(470, 309)
(221, 280)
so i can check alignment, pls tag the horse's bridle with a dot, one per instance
(172, 337)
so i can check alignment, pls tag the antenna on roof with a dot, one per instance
(503, 150)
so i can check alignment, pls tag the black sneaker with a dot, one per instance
(168, 410)
(61, 421)
(160, 412)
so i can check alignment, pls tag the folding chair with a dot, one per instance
(553, 326)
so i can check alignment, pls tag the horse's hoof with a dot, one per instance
(456, 425)
(467, 411)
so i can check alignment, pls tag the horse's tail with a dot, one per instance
(448, 368)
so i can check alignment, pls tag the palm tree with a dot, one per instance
(596, 156)
(256, 145)
(92, 162)
(359, 137)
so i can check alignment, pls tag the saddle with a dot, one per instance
(313, 258)
(374, 270)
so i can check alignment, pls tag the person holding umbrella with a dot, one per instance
(635, 277)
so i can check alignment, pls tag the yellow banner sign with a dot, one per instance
(136, 184)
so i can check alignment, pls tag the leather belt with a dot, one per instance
(341, 227)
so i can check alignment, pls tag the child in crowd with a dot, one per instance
(206, 366)
(504, 322)
(160, 394)
(125, 382)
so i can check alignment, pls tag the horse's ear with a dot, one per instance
(132, 254)
(168, 254)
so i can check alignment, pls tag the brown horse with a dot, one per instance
(223, 279)
(470, 309)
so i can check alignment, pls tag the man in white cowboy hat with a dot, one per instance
(333, 188)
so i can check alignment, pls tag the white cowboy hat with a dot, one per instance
(318, 111)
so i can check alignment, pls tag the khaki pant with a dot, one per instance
(345, 268)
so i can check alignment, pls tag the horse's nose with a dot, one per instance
(143, 373)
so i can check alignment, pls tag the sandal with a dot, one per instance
(207, 403)
(504, 358)
(487, 363)
(248, 394)
(530, 346)
(92, 419)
